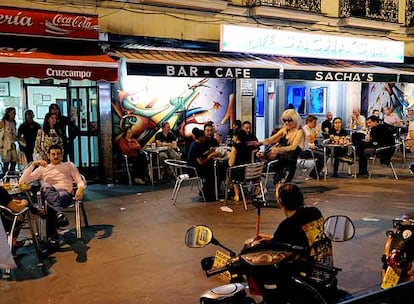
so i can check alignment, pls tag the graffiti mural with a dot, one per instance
(396, 96)
(144, 103)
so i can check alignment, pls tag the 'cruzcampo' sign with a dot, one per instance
(298, 44)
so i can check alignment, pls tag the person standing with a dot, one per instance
(47, 137)
(67, 129)
(8, 138)
(28, 132)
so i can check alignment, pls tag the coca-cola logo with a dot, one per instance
(72, 21)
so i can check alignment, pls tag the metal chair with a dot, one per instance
(183, 173)
(392, 148)
(77, 205)
(251, 179)
(16, 221)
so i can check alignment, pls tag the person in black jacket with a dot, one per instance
(379, 135)
(303, 226)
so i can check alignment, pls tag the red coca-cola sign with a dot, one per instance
(45, 23)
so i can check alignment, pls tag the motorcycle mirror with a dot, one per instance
(198, 236)
(339, 228)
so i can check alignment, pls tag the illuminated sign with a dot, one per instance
(298, 44)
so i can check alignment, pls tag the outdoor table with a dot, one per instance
(154, 152)
(331, 146)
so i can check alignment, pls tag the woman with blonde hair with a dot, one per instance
(289, 142)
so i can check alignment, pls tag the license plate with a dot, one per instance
(390, 279)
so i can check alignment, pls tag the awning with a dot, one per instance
(196, 64)
(184, 63)
(25, 63)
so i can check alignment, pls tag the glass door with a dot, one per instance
(84, 113)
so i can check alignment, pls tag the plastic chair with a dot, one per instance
(394, 148)
(183, 173)
(252, 178)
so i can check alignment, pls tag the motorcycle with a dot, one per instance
(271, 272)
(398, 257)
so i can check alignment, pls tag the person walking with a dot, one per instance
(27, 132)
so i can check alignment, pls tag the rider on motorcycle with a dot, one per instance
(303, 226)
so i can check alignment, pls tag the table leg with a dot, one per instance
(215, 179)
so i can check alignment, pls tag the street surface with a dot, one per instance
(135, 251)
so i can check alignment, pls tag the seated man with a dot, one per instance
(56, 179)
(167, 139)
(379, 136)
(311, 150)
(202, 158)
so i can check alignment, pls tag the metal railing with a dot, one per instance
(313, 6)
(382, 10)
(409, 13)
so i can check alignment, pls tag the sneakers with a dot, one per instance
(139, 181)
(346, 159)
(61, 220)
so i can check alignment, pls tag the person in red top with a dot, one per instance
(131, 148)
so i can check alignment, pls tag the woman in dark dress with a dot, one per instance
(240, 154)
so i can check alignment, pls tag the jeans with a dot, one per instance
(56, 200)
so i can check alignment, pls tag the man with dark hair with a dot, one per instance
(168, 140)
(379, 135)
(56, 180)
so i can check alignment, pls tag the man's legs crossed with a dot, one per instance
(56, 200)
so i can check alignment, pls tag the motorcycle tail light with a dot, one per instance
(393, 260)
(254, 286)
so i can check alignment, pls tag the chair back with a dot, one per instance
(253, 171)
(180, 167)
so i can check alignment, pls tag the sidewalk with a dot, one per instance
(134, 250)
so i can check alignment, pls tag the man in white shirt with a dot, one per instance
(56, 180)
(310, 150)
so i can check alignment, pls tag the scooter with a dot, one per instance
(271, 272)
(398, 257)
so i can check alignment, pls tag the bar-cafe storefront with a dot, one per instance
(49, 68)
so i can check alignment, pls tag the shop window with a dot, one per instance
(317, 100)
(296, 98)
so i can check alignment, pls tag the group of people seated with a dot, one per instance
(291, 141)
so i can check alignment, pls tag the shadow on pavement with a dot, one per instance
(30, 267)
